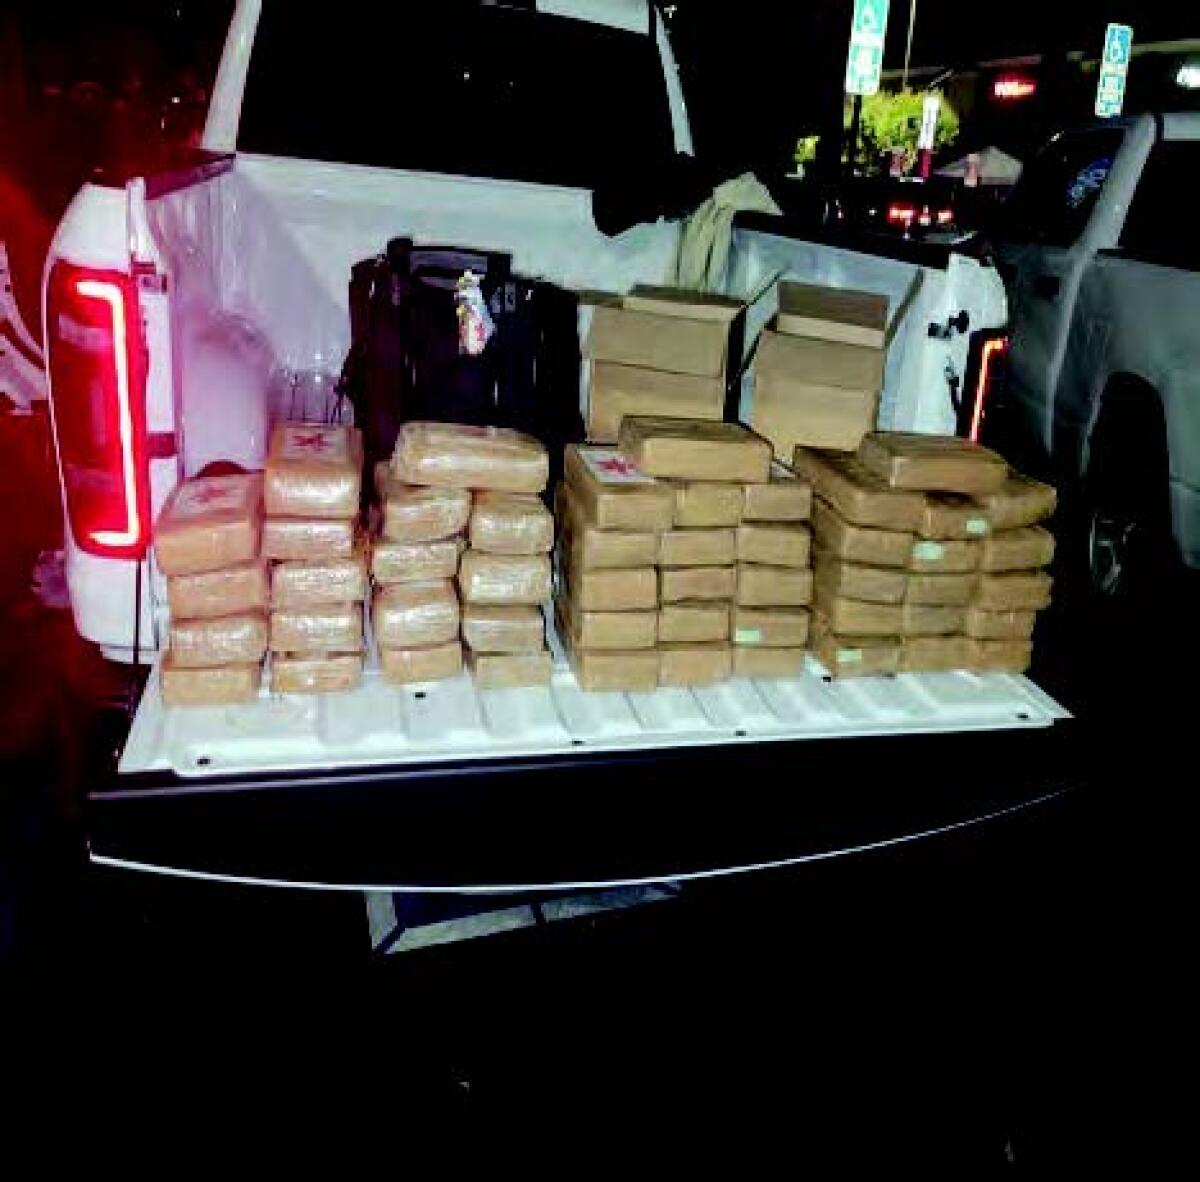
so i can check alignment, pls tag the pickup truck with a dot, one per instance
(1100, 248)
(173, 303)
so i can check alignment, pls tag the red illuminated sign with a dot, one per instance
(1010, 87)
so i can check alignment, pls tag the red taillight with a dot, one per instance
(899, 214)
(945, 217)
(990, 355)
(98, 396)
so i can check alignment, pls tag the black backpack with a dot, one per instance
(405, 363)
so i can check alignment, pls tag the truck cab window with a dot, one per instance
(1161, 225)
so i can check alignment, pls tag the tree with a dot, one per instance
(891, 121)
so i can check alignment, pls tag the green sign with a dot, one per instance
(865, 61)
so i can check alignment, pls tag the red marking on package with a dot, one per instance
(611, 467)
(314, 443)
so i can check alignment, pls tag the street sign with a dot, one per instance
(930, 109)
(1114, 67)
(865, 61)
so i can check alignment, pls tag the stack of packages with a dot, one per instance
(311, 490)
(488, 480)
(206, 541)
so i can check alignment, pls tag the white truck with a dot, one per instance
(175, 301)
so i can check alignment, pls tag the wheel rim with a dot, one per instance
(1111, 538)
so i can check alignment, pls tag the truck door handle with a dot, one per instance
(1046, 287)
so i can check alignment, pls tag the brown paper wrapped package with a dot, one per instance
(874, 584)
(689, 450)
(334, 628)
(620, 390)
(324, 673)
(1020, 501)
(226, 685)
(227, 640)
(750, 661)
(935, 654)
(773, 586)
(702, 504)
(627, 672)
(413, 513)
(771, 627)
(945, 558)
(933, 463)
(414, 615)
(1018, 549)
(690, 623)
(774, 545)
(985, 625)
(500, 628)
(694, 664)
(504, 578)
(606, 630)
(613, 590)
(313, 470)
(227, 592)
(455, 456)
(855, 656)
(307, 539)
(697, 582)
(314, 584)
(506, 523)
(209, 523)
(510, 670)
(1026, 591)
(592, 548)
(999, 656)
(414, 562)
(433, 662)
(859, 543)
(928, 619)
(946, 516)
(697, 547)
(785, 497)
(941, 590)
(613, 494)
(857, 494)
(832, 314)
(853, 617)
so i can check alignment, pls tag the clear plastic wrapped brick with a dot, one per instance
(226, 640)
(414, 615)
(511, 523)
(457, 456)
(334, 628)
(227, 592)
(209, 523)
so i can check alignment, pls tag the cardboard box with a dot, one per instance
(503, 628)
(415, 615)
(627, 672)
(333, 628)
(981, 624)
(227, 640)
(773, 586)
(785, 497)
(768, 662)
(617, 391)
(697, 547)
(702, 504)
(434, 662)
(612, 493)
(694, 664)
(697, 582)
(313, 470)
(414, 562)
(510, 670)
(308, 539)
(592, 548)
(688, 450)
(209, 523)
(811, 393)
(509, 523)
(225, 685)
(860, 497)
(613, 590)
(774, 545)
(693, 622)
(928, 619)
(771, 627)
(683, 302)
(933, 463)
(666, 338)
(945, 558)
(936, 654)
(859, 543)
(1027, 548)
(999, 656)
(873, 584)
(312, 584)
(832, 314)
(1024, 591)
(414, 513)
(607, 630)
(941, 590)
(325, 673)
(855, 656)
(228, 592)
(854, 617)
(450, 455)
(1020, 501)
(504, 578)
(946, 516)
